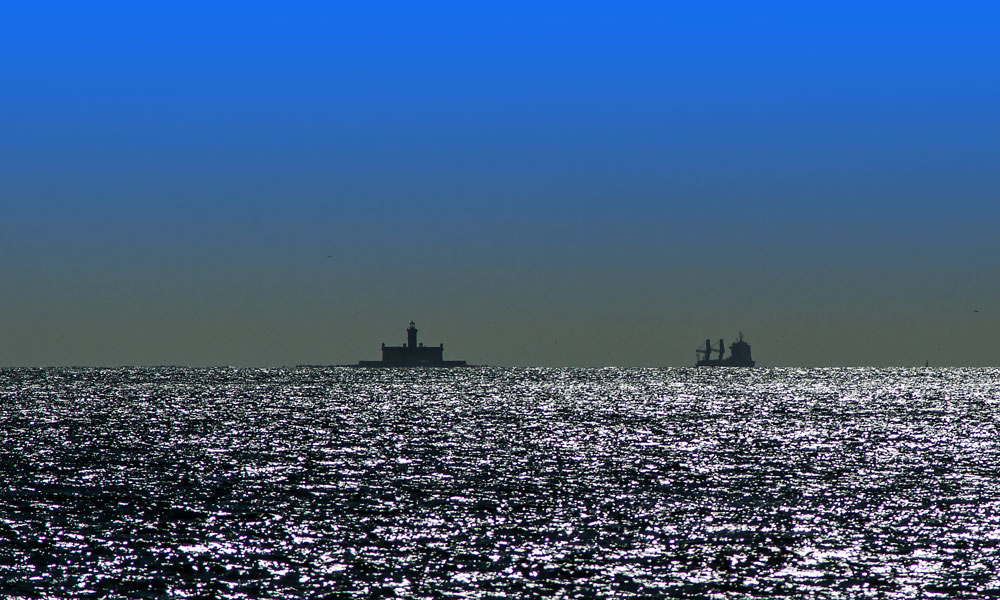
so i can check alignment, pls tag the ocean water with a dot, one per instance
(500, 483)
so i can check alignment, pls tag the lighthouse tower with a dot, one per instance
(411, 335)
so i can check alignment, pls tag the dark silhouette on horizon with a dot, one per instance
(412, 354)
(739, 354)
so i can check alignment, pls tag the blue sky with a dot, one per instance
(562, 184)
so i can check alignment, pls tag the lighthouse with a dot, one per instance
(411, 335)
(412, 354)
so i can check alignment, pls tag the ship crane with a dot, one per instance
(708, 350)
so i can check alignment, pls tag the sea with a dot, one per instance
(500, 483)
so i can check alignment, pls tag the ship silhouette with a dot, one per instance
(739, 354)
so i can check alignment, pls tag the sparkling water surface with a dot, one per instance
(494, 483)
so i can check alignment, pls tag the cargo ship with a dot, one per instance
(739, 354)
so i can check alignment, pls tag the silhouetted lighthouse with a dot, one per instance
(411, 335)
(412, 354)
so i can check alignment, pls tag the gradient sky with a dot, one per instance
(578, 184)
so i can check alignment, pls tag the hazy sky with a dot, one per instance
(576, 184)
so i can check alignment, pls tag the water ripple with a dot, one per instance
(485, 483)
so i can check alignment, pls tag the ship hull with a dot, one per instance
(725, 363)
